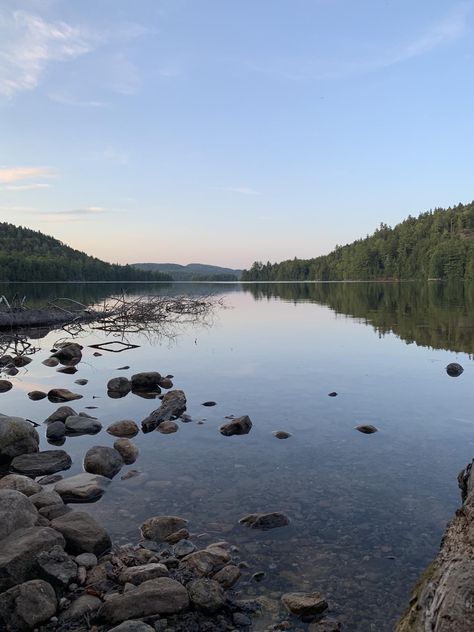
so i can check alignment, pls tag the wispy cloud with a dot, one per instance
(241, 190)
(64, 99)
(13, 174)
(89, 210)
(28, 43)
(25, 187)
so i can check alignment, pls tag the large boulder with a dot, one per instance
(158, 528)
(18, 553)
(17, 436)
(40, 463)
(237, 426)
(82, 533)
(103, 460)
(82, 488)
(20, 483)
(80, 425)
(27, 606)
(160, 596)
(16, 512)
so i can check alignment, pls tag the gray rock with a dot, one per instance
(37, 395)
(138, 574)
(454, 369)
(281, 434)
(82, 533)
(241, 620)
(56, 430)
(17, 436)
(237, 426)
(123, 428)
(326, 625)
(127, 450)
(50, 512)
(16, 512)
(82, 488)
(19, 550)
(304, 605)
(57, 395)
(207, 562)
(20, 483)
(206, 594)
(26, 606)
(103, 460)
(61, 414)
(79, 425)
(56, 567)
(47, 462)
(119, 385)
(228, 576)
(168, 427)
(88, 560)
(69, 353)
(44, 499)
(51, 362)
(50, 479)
(81, 382)
(156, 596)
(265, 521)
(366, 429)
(5, 385)
(158, 528)
(84, 606)
(133, 626)
(172, 406)
(22, 360)
(165, 382)
(146, 380)
(183, 548)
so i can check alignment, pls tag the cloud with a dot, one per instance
(12, 174)
(28, 43)
(89, 210)
(17, 209)
(64, 99)
(241, 190)
(25, 187)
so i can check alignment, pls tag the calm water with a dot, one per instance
(367, 512)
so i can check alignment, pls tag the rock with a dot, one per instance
(183, 548)
(158, 528)
(96, 354)
(172, 406)
(265, 521)
(103, 460)
(207, 562)
(145, 381)
(242, 620)
(154, 597)
(22, 360)
(127, 450)
(258, 576)
(16, 512)
(133, 626)
(122, 368)
(177, 536)
(281, 434)
(47, 462)
(88, 560)
(82, 488)
(5, 385)
(61, 414)
(20, 483)
(56, 567)
(18, 553)
(37, 395)
(366, 429)
(326, 625)
(85, 606)
(129, 474)
(237, 426)
(56, 395)
(50, 479)
(304, 605)
(454, 369)
(68, 370)
(168, 427)
(165, 382)
(79, 425)
(210, 403)
(228, 576)
(56, 431)
(26, 606)
(119, 385)
(206, 594)
(69, 353)
(50, 512)
(51, 362)
(333, 394)
(138, 574)
(82, 533)
(45, 499)
(17, 436)
(81, 382)
(124, 428)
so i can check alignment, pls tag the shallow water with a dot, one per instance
(367, 511)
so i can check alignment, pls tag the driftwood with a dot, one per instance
(443, 600)
(172, 406)
(20, 319)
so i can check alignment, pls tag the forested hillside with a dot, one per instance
(193, 271)
(28, 255)
(437, 244)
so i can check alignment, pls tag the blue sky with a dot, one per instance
(224, 132)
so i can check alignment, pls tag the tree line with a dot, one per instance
(437, 244)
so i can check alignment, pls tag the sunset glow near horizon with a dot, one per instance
(223, 133)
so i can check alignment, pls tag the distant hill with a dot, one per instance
(437, 244)
(29, 255)
(193, 271)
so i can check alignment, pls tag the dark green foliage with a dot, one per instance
(437, 244)
(28, 255)
(193, 271)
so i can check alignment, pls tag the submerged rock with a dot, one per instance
(228, 576)
(123, 428)
(366, 429)
(127, 450)
(168, 427)
(326, 625)
(82, 488)
(40, 463)
(209, 403)
(265, 521)
(237, 426)
(103, 460)
(304, 605)
(333, 394)
(281, 434)
(158, 528)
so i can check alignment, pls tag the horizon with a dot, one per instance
(229, 134)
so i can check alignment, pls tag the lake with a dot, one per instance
(367, 511)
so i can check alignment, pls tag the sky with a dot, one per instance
(228, 132)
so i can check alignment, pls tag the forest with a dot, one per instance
(438, 244)
(29, 255)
